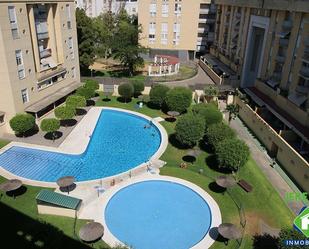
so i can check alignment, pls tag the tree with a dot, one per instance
(157, 95)
(211, 91)
(178, 99)
(126, 45)
(286, 234)
(92, 84)
(209, 112)
(232, 153)
(126, 91)
(50, 125)
(138, 86)
(21, 123)
(65, 113)
(86, 41)
(218, 132)
(189, 129)
(233, 111)
(88, 93)
(76, 101)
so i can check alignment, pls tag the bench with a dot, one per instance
(245, 185)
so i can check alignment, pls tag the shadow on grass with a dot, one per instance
(50, 136)
(170, 119)
(106, 99)
(68, 189)
(214, 187)
(68, 122)
(214, 234)
(90, 102)
(211, 161)
(22, 231)
(206, 147)
(153, 106)
(265, 241)
(189, 159)
(124, 100)
(17, 192)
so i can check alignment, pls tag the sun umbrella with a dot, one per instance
(91, 231)
(229, 231)
(225, 181)
(173, 113)
(66, 182)
(11, 185)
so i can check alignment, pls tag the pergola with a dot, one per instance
(164, 65)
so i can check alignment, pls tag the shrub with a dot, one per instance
(189, 129)
(157, 95)
(211, 91)
(209, 112)
(138, 86)
(86, 92)
(218, 132)
(91, 84)
(50, 125)
(65, 112)
(76, 101)
(22, 123)
(232, 153)
(178, 99)
(126, 91)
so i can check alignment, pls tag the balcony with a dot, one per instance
(45, 53)
(287, 25)
(42, 30)
(302, 89)
(283, 42)
(304, 72)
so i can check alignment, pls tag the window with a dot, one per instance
(165, 10)
(13, 22)
(153, 9)
(19, 59)
(70, 43)
(164, 33)
(152, 32)
(178, 8)
(24, 95)
(68, 14)
(73, 72)
(21, 73)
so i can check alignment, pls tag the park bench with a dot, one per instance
(245, 185)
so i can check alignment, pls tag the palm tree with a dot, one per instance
(233, 111)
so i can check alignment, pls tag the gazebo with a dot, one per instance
(164, 65)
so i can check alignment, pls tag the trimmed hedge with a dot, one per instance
(178, 99)
(157, 95)
(218, 132)
(126, 90)
(22, 122)
(76, 101)
(50, 125)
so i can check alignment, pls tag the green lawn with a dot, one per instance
(3, 143)
(185, 72)
(263, 203)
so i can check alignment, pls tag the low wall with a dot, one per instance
(300, 115)
(211, 73)
(42, 209)
(290, 159)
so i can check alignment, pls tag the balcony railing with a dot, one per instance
(45, 53)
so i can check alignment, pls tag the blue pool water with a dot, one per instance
(158, 214)
(118, 144)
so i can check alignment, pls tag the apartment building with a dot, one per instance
(263, 47)
(177, 27)
(94, 8)
(38, 56)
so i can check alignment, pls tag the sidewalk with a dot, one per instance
(263, 161)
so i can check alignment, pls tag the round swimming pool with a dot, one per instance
(119, 143)
(158, 214)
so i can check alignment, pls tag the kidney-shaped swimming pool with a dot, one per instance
(119, 143)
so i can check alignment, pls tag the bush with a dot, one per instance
(157, 95)
(232, 154)
(22, 123)
(91, 84)
(189, 129)
(209, 112)
(211, 91)
(65, 112)
(126, 91)
(218, 132)
(50, 125)
(86, 92)
(286, 234)
(138, 86)
(76, 101)
(178, 99)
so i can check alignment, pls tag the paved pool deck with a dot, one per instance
(77, 141)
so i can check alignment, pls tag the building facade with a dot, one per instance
(94, 8)
(177, 27)
(264, 46)
(38, 55)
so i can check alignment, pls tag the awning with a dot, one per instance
(272, 83)
(297, 99)
(41, 104)
(51, 74)
(255, 98)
